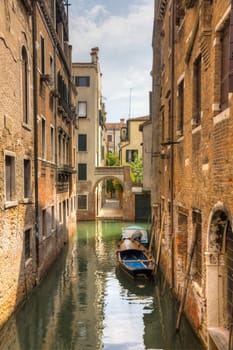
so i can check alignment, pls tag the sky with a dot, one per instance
(122, 29)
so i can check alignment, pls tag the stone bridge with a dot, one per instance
(122, 174)
(96, 194)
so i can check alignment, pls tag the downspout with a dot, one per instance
(35, 111)
(172, 145)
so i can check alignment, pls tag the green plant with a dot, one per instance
(136, 170)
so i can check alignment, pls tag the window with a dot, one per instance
(52, 153)
(162, 126)
(169, 124)
(224, 68)
(109, 138)
(180, 125)
(10, 178)
(27, 178)
(25, 85)
(82, 81)
(131, 155)
(124, 134)
(82, 201)
(42, 55)
(59, 149)
(44, 223)
(82, 171)
(197, 91)
(27, 244)
(52, 217)
(51, 67)
(43, 138)
(82, 142)
(60, 213)
(197, 261)
(82, 109)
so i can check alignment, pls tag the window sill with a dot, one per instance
(11, 204)
(27, 201)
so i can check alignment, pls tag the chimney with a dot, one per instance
(94, 54)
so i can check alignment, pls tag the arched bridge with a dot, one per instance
(122, 174)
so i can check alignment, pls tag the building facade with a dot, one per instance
(192, 163)
(131, 140)
(17, 232)
(113, 136)
(55, 130)
(91, 133)
(37, 133)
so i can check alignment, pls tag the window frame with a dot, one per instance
(27, 244)
(83, 113)
(43, 138)
(27, 189)
(132, 153)
(25, 85)
(197, 93)
(82, 171)
(224, 70)
(42, 54)
(10, 201)
(80, 197)
(180, 117)
(82, 144)
(82, 81)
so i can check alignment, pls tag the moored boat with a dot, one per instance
(134, 259)
(136, 232)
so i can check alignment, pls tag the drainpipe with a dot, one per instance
(35, 111)
(172, 145)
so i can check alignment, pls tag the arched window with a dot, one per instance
(25, 85)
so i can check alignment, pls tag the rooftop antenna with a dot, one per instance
(130, 100)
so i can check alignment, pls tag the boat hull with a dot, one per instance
(134, 259)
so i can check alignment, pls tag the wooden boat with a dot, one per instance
(134, 259)
(136, 232)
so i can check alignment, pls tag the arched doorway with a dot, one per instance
(108, 192)
(219, 268)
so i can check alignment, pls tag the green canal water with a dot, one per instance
(85, 302)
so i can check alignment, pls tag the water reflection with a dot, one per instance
(86, 302)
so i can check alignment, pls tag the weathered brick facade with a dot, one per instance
(17, 272)
(195, 123)
(37, 141)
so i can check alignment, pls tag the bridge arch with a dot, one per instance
(90, 190)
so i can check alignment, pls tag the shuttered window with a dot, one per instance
(197, 91)
(180, 125)
(224, 68)
(25, 85)
(27, 178)
(27, 244)
(82, 171)
(197, 259)
(10, 186)
(82, 201)
(82, 142)
(42, 55)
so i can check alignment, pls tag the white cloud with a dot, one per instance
(125, 53)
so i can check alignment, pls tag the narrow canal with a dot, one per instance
(85, 302)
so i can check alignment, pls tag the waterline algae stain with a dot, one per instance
(86, 302)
